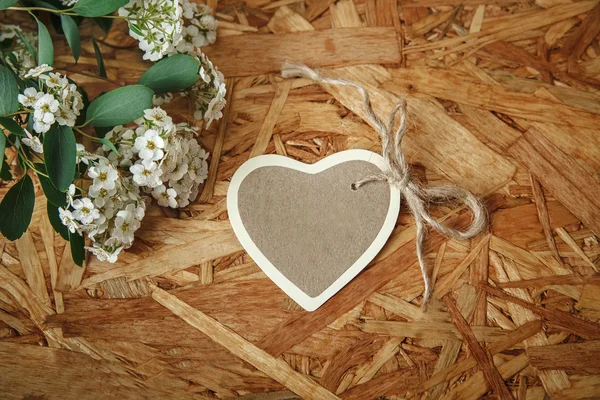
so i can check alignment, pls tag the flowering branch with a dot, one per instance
(99, 196)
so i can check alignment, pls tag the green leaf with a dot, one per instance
(16, 209)
(99, 61)
(95, 8)
(4, 4)
(109, 144)
(77, 248)
(53, 195)
(119, 106)
(135, 29)
(60, 156)
(45, 46)
(5, 173)
(171, 74)
(9, 91)
(12, 126)
(71, 31)
(56, 222)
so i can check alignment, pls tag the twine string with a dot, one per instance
(398, 173)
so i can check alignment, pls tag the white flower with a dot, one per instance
(102, 196)
(183, 199)
(208, 91)
(200, 27)
(158, 116)
(69, 3)
(150, 145)
(43, 115)
(81, 154)
(140, 212)
(204, 74)
(146, 174)
(214, 108)
(157, 24)
(68, 220)
(65, 116)
(33, 142)
(165, 197)
(107, 251)
(125, 225)
(29, 97)
(37, 71)
(76, 99)
(70, 194)
(104, 176)
(100, 225)
(85, 211)
(54, 79)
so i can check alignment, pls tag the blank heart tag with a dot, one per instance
(305, 226)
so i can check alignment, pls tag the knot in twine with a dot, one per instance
(398, 173)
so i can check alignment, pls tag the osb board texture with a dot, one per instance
(503, 99)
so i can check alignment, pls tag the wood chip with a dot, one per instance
(261, 54)
(483, 358)
(275, 368)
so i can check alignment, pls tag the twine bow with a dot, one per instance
(398, 173)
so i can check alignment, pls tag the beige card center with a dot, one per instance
(305, 226)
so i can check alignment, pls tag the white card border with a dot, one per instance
(307, 302)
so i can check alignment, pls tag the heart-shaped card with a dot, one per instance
(305, 226)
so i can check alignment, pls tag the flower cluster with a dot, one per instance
(166, 27)
(56, 99)
(163, 158)
(199, 29)
(110, 213)
(208, 93)
(22, 58)
(157, 24)
(155, 157)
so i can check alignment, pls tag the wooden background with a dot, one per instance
(503, 100)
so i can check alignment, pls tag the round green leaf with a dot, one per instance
(16, 209)
(9, 91)
(60, 156)
(4, 4)
(71, 31)
(56, 222)
(171, 74)
(119, 106)
(45, 46)
(95, 8)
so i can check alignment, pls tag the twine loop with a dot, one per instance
(398, 173)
